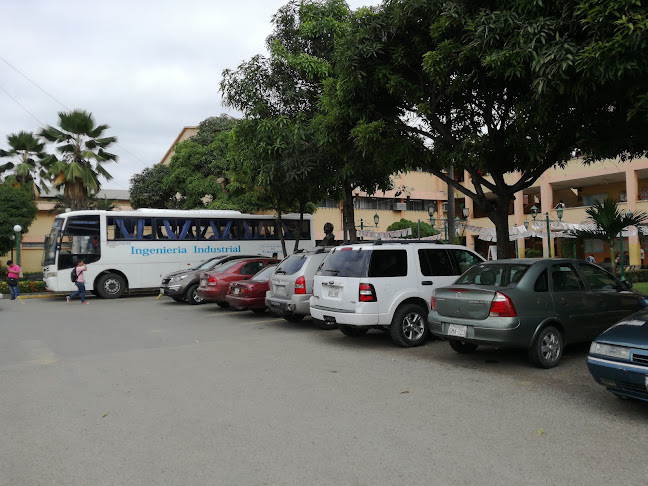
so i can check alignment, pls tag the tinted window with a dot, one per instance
(500, 274)
(250, 268)
(597, 278)
(388, 263)
(80, 241)
(564, 278)
(542, 283)
(435, 263)
(291, 265)
(350, 262)
(465, 259)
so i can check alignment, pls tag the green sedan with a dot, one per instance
(540, 304)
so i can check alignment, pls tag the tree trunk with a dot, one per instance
(450, 214)
(76, 195)
(281, 233)
(349, 214)
(499, 216)
(302, 207)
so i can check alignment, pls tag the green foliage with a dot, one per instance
(607, 222)
(16, 207)
(148, 189)
(426, 229)
(82, 152)
(28, 165)
(635, 276)
(24, 286)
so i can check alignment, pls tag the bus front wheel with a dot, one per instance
(110, 286)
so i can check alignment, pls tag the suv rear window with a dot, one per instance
(291, 265)
(388, 263)
(345, 263)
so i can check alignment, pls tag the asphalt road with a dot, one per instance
(141, 391)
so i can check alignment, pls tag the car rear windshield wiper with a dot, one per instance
(279, 270)
(330, 270)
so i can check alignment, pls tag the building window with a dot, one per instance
(329, 204)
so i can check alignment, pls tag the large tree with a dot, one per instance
(81, 147)
(27, 164)
(491, 88)
(16, 207)
(293, 156)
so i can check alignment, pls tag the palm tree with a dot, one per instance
(606, 223)
(29, 165)
(82, 151)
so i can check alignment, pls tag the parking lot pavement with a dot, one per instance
(147, 391)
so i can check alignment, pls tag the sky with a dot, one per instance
(145, 68)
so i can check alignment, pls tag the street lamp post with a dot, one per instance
(465, 212)
(17, 229)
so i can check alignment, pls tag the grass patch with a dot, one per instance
(641, 287)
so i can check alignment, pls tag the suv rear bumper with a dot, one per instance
(348, 318)
(297, 304)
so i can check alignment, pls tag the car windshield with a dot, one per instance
(292, 264)
(346, 262)
(265, 274)
(500, 274)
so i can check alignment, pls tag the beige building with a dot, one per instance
(577, 186)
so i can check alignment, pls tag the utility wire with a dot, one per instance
(60, 103)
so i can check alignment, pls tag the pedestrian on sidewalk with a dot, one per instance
(80, 283)
(13, 273)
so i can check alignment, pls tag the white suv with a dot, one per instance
(386, 285)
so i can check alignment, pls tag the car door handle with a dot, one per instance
(427, 282)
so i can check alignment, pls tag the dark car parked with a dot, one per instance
(618, 358)
(215, 283)
(539, 304)
(183, 284)
(250, 294)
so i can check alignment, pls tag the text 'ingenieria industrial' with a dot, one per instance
(167, 250)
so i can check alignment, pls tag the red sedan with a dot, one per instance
(250, 294)
(215, 283)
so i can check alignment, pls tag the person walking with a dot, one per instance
(80, 283)
(13, 273)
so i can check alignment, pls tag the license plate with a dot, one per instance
(333, 292)
(161, 290)
(237, 290)
(281, 290)
(646, 378)
(203, 282)
(457, 330)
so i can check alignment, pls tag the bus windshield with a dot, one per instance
(51, 243)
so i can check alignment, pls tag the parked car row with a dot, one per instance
(416, 290)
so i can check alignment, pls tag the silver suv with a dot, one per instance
(386, 285)
(182, 285)
(291, 286)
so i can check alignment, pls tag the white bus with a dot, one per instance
(128, 250)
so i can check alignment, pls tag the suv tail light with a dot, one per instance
(300, 285)
(433, 301)
(367, 293)
(211, 280)
(502, 306)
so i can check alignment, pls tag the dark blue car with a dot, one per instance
(618, 358)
